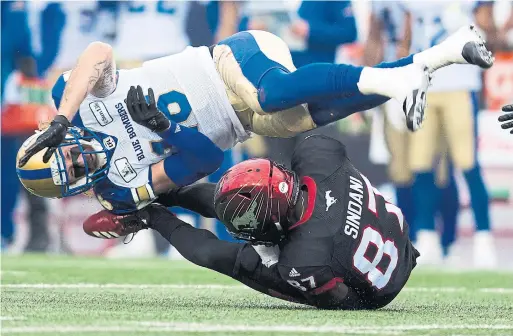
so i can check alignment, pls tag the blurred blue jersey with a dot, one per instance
(15, 37)
(331, 24)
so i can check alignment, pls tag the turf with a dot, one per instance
(49, 295)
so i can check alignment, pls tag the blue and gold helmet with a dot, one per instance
(78, 163)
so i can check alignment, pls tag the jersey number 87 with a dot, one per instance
(377, 277)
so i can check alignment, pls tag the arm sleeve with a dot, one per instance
(199, 246)
(196, 156)
(341, 29)
(236, 260)
(198, 197)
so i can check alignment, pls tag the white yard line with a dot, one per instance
(120, 286)
(435, 289)
(497, 290)
(208, 328)
(12, 318)
(13, 273)
(218, 287)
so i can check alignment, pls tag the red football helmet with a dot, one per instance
(253, 200)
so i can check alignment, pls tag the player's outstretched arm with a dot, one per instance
(94, 73)
(507, 118)
(199, 246)
(198, 197)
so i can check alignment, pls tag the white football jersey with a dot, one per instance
(149, 29)
(432, 22)
(187, 89)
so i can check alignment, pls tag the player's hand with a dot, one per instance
(51, 138)
(505, 118)
(143, 113)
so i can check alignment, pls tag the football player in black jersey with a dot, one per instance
(320, 234)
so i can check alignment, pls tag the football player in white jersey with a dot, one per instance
(388, 40)
(453, 107)
(159, 26)
(245, 83)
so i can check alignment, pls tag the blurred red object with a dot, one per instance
(27, 104)
(499, 81)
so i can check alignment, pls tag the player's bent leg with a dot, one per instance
(462, 136)
(459, 117)
(256, 67)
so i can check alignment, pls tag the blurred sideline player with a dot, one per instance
(319, 234)
(22, 98)
(453, 108)
(159, 27)
(387, 41)
(78, 28)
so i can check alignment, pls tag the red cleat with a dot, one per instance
(106, 225)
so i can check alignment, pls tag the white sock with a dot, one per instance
(376, 80)
(434, 58)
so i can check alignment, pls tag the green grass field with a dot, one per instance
(43, 295)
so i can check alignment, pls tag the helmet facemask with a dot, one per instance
(90, 162)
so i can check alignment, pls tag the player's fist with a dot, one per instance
(506, 117)
(146, 113)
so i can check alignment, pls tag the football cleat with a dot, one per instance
(467, 46)
(415, 102)
(106, 225)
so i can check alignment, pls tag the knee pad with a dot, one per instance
(283, 124)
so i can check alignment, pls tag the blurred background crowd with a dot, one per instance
(453, 180)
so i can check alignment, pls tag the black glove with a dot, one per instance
(506, 117)
(147, 115)
(51, 138)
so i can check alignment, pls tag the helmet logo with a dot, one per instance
(109, 143)
(248, 219)
(283, 187)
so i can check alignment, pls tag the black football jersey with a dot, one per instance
(349, 232)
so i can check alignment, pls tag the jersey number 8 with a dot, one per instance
(377, 277)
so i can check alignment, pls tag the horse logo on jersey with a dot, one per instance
(329, 200)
